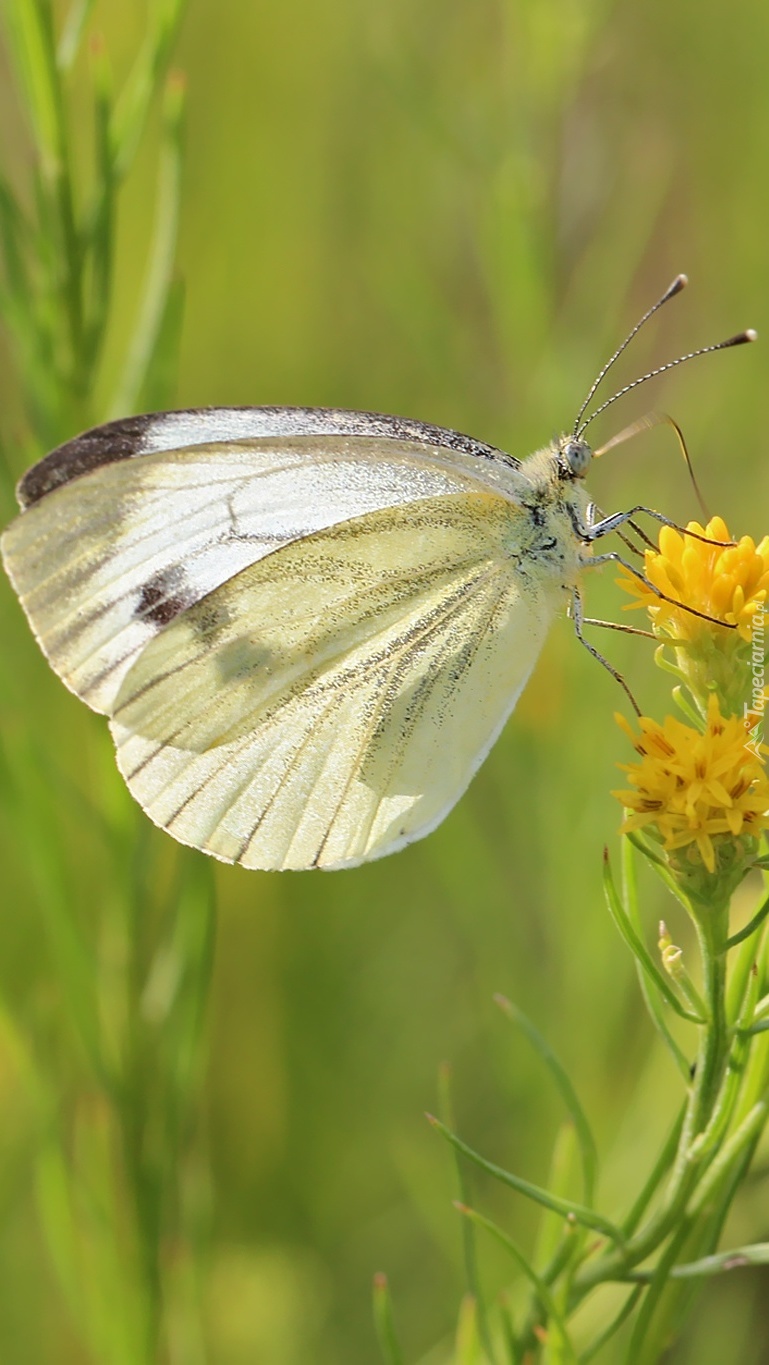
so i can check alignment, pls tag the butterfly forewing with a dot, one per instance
(331, 702)
(110, 549)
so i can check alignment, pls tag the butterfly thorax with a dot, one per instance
(556, 503)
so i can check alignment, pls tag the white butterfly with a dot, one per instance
(307, 627)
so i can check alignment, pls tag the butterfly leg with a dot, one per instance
(579, 621)
(611, 556)
(594, 514)
(596, 529)
(617, 625)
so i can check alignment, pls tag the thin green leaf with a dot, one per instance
(552, 1310)
(152, 309)
(514, 1352)
(651, 999)
(567, 1207)
(645, 848)
(756, 1073)
(587, 1146)
(752, 925)
(743, 983)
(383, 1322)
(611, 1327)
(717, 1187)
(756, 1253)
(762, 1006)
(660, 867)
(731, 1152)
(723, 1112)
(554, 1237)
(638, 948)
(680, 698)
(658, 1283)
(699, 1228)
(561, 1260)
(657, 1174)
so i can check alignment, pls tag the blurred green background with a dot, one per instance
(451, 211)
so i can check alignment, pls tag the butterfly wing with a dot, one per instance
(128, 525)
(331, 702)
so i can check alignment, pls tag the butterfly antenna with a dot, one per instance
(678, 284)
(739, 340)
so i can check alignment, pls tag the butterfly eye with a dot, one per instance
(576, 456)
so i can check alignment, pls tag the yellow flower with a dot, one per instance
(727, 583)
(698, 791)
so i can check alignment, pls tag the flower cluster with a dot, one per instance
(705, 794)
(700, 792)
(714, 591)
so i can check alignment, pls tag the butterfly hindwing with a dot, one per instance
(331, 702)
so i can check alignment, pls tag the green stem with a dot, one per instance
(691, 1157)
(714, 1040)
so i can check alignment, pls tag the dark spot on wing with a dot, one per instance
(163, 596)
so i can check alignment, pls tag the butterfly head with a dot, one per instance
(573, 456)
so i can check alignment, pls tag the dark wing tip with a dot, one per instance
(102, 445)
